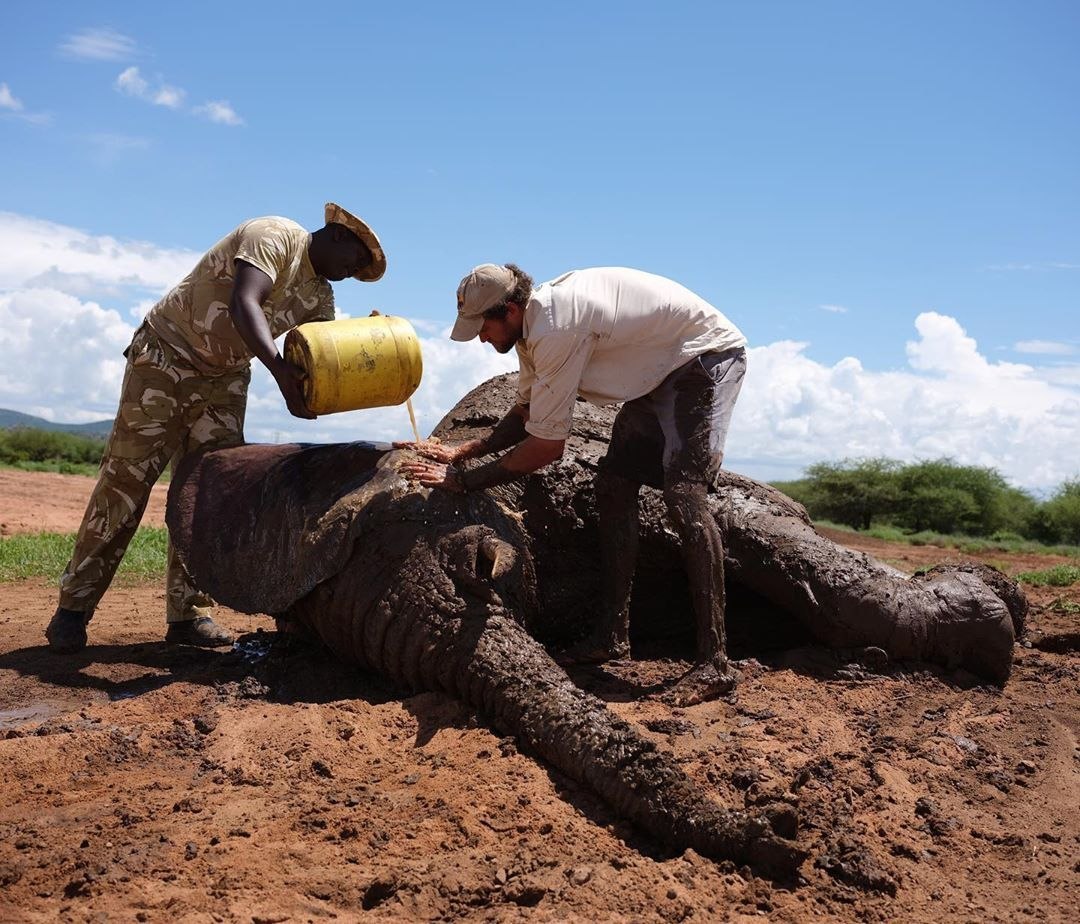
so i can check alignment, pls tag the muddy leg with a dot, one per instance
(703, 557)
(617, 509)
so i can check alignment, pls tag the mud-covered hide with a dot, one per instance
(964, 616)
(260, 526)
(429, 588)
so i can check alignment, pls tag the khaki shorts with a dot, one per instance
(676, 433)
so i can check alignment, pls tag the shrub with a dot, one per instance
(1060, 516)
(24, 444)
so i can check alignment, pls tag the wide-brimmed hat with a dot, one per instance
(377, 266)
(486, 286)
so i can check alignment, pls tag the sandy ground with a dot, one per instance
(43, 502)
(267, 783)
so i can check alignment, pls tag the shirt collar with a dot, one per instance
(307, 271)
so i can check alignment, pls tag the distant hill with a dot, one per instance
(10, 419)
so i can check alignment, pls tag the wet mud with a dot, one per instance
(274, 782)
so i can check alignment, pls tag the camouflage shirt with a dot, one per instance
(193, 318)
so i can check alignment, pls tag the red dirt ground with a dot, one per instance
(149, 783)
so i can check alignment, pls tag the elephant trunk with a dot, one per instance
(472, 648)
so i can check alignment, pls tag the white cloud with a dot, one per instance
(11, 105)
(132, 83)
(62, 355)
(101, 44)
(219, 111)
(1033, 267)
(69, 301)
(171, 97)
(950, 402)
(35, 252)
(7, 101)
(1044, 347)
(834, 309)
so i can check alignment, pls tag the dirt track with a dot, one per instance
(146, 782)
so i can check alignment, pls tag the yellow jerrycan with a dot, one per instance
(356, 362)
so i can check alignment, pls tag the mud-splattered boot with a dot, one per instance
(201, 631)
(66, 631)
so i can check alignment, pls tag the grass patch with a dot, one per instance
(63, 467)
(1061, 605)
(57, 466)
(1058, 576)
(46, 555)
(888, 533)
(1000, 542)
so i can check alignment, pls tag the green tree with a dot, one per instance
(26, 444)
(853, 491)
(1059, 518)
(950, 498)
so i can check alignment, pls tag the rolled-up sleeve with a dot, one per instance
(559, 360)
(526, 375)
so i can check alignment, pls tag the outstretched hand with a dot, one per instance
(432, 449)
(434, 475)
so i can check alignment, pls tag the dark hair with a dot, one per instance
(523, 287)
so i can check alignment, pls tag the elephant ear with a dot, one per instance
(258, 526)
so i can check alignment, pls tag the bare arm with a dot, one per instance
(251, 288)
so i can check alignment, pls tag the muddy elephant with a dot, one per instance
(785, 577)
(431, 590)
(434, 591)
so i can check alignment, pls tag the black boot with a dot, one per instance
(66, 631)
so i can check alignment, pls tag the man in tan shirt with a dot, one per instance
(609, 335)
(185, 388)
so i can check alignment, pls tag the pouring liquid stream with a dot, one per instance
(412, 419)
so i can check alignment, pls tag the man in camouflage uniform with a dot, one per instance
(185, 388)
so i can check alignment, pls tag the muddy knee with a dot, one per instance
(688, 505)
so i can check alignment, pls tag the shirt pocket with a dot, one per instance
(145, 350)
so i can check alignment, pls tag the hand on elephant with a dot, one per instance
(434, 475)
(433, 449)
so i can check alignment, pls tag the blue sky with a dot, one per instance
(827, 174)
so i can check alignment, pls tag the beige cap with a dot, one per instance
(377, 266)
(485, 287)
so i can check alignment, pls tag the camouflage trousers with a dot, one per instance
(167, 409)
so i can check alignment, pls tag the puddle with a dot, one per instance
(255, 647)
(37, 712)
